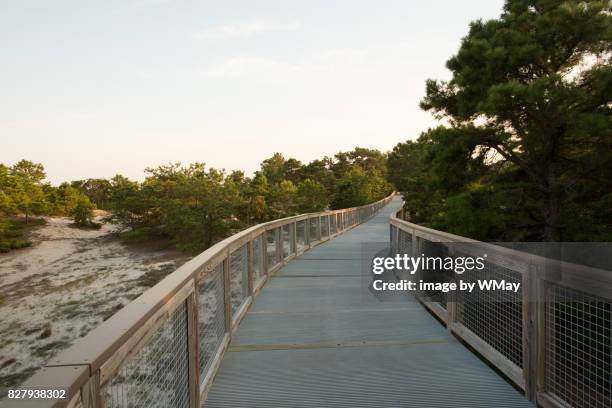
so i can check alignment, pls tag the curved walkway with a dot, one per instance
(313, 339)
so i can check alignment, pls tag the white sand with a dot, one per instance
(68, 282)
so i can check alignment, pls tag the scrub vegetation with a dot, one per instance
(192, 206)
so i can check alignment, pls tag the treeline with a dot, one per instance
(527, 153)
(196, 207)
(193, 206)
(23, 194)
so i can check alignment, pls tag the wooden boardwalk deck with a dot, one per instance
(311, 339)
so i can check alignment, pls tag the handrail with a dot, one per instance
(184, 323)
(553, 339)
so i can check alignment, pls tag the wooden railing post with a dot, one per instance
(264, 250)
(541, 332)
(280, 246)
(227, 298)
(90, 392)
(451, 300)
(193, 349)
(529, 302)
(294, 245)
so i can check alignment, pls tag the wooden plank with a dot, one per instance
(69, 378)
(241, 312)
(437, 310)
(546, 400)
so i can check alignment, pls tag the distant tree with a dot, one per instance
(311, 196)
(257, 207)
(320, 172)
(282, 199)
(28, 194)
(193, 206)
(82, 212)
(97, 190)
(128, 204)
(62, 199)
(274, 168)
(358, 187)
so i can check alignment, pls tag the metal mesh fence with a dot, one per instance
(494, 316)
(301, 235)
(258, 267)
(314, 229)
(339, 221)
(332, 224)
(434, 272)
(404, 245)
(272, 238)
(239, 278)
(211, 317)
(578, 348)
(157, 375)
(287, 240)
(324, 226)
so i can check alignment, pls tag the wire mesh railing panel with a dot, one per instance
(272, 238)
(496, 316)
(211, 317)
(301, 235)
(286, 230)
(324, 226)
(239, 278)
(158, 374)
(405, 243)
(258, 267)
(434, 272)
(332, 224)
(314, 229)
(339, 222)
(578, 348)
(399, 238)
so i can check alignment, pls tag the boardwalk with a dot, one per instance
(312, 340)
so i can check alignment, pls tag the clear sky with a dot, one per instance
(95, 88)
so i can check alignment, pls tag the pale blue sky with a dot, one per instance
(95, 88)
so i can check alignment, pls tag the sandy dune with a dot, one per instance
(68, 282)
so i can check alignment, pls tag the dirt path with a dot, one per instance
(67, 283)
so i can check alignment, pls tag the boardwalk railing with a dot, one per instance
(164, 348)
(552, 338)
